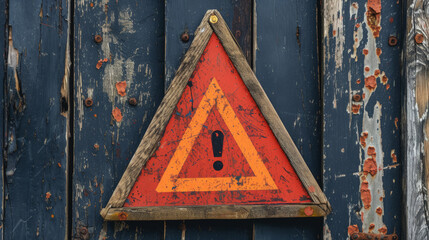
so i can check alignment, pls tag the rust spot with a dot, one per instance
(357, 25)
(387, 86)
(393, 155)
(117, 115)
(352, 229)
(378, 51)
(334, 32)
(367, 69)
(59, 164)
(48, 195)
(52, 215)
(365, 51)
(362, 139)
(358, 81)
(91, 4)
(122, 216)
(379, 211)
(391, 19)
(396, 122)
(371, 152)
(355, 108)
(356, 98)
(100, 63)
(373, 15)
(419, 38)
(120, 88)
(370, 83)
(377, 72)
(382, 230)
(96, 146)
(370, 166)
(384, 79)
(308, 211)
(381, 199)
(365, 195)
(88, 102)
(363, 95)
(371, 227)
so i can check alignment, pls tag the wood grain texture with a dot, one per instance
(36, 126)
(414, 121)
(107, 133)
(361, 117)
(3, 77)
(213, 212)
(286, 65)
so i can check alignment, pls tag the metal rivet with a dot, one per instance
(88, 102)
(419, 38)
(83, 231)
(392, 41)
(132, 101)
(98, 38)
(213, 19)
(357, 97)
(184, 37)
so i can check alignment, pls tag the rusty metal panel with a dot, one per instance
(361, 116)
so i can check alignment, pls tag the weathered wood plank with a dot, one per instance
(361, 112)
(3, 77)
(184, 16)
(36, 124)
(414, 119)
(213, 212)
(107, 133)
(286, 64)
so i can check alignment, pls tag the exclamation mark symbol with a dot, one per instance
(217, 145)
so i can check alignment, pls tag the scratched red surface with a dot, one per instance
(214, 63)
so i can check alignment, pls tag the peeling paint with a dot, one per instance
(334, 20)
(121, 88)
(117, 115)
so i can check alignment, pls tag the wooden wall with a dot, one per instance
(317, 61)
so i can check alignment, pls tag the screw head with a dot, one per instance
(419, 38)
(213, 19)
(98, 38)
(184, 37)
(392, 41)
(132, 101)
(88, 102)
(83, 231)
(357, 97)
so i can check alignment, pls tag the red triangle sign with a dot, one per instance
(216, 147)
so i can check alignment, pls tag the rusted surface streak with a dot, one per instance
(372, 151)
(373, 94)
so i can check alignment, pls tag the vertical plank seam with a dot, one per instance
(70, 122)
(4, 123)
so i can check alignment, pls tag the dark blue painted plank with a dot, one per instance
(133, 43)
(286, 64)
(346, 28)
(185, 16)
(3, 77)
(36, 200)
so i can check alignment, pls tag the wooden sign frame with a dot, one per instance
(213, 22)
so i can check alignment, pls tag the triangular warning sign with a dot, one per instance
(216, 148)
